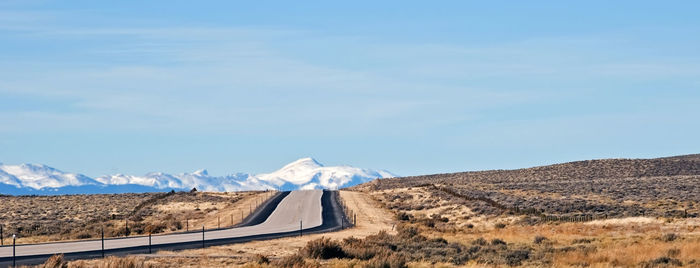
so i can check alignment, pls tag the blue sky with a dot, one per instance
(420, 87)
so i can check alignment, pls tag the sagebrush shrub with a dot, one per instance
(323, 248)
(387, 261)
(261, 259)
(292, 261)
(516, 257)
(497, 242)
(539, 239)
(670, 237)
(479, 241)
(55, 261)
(663, 262)
(406, 231)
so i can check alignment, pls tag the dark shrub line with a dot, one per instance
(533, 211)
(151, 202)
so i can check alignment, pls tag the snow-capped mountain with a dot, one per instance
(305, 173)
(41, 176)
(199, 179)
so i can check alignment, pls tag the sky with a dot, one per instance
(413, 87)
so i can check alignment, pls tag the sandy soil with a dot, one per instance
(623, 221)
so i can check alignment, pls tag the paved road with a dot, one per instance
(297, 209)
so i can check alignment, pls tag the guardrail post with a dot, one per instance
(218, 222)
(187, 223)
(300, 228)
(127, 228)
(2, 239)
(202, 235)
(149, 243)
(354, 219)
(231, 219)
(103, 241)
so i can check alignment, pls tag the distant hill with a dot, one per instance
(660, 187)
(578, 170)
(695, 157)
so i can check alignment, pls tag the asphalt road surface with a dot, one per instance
(286, 214)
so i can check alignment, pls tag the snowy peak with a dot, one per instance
(39, 176)
(307, 173)
(303, 163)
(201, 172)
(304, 173)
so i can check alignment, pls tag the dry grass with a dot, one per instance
(57, 261)
(631, 252)
(69, 217)
(626, 242)
(115, 262)
(646, 211)
(643, 199)
(49, 218)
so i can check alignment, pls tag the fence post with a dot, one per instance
(103, 241)
(187, 223)
(231, 219)
(218, 222)
(127, 228)
(14, 263)
(354, 219)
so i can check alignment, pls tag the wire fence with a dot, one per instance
(47, 229)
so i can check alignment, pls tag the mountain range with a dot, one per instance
(305, 173)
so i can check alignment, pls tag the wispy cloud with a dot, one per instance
(238, 78)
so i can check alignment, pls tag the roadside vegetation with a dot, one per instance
(611, 188)
(68, 217)
(601, 213)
